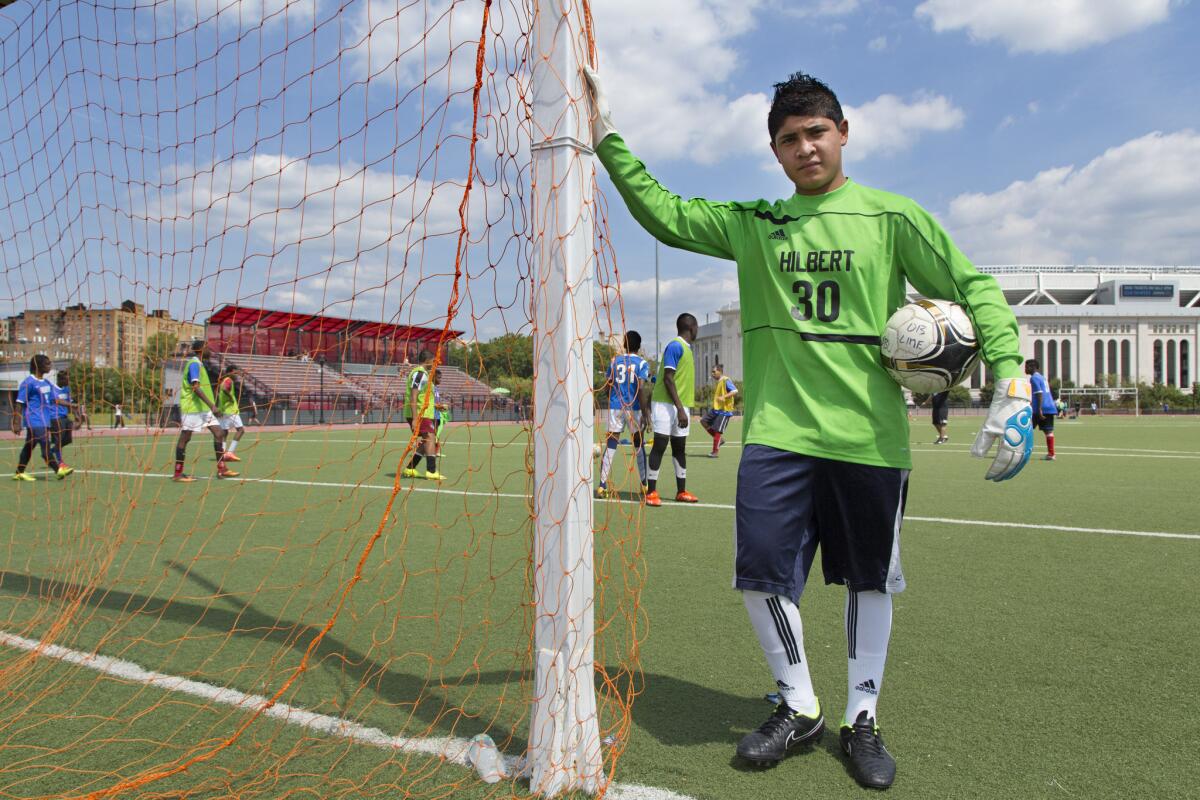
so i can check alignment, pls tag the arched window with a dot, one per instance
(1185, 364)
(1099, 359)
(1113, 369)
(1172, 373)
(1065, 355)
(1126, 362)
(1051, 359)
(1039, 352)
(1158, 361)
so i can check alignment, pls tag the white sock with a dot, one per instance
(231, 446)
(680, 470)
(641, 463)
(606, 463)
(868, 628)
(776, 620)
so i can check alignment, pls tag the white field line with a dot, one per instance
(725, 506)
(399, 444)
(452, 749)
(1073, 454)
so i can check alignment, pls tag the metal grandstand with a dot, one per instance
(302, 368)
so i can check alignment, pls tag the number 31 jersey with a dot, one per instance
(818, 278)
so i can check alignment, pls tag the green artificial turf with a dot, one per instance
(1025, 662)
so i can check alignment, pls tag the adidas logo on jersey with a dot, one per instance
(867, 686)
(777, 234)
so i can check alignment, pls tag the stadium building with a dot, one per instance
(1084, 323)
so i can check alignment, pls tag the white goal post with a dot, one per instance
(564, 737)
(1099, 395)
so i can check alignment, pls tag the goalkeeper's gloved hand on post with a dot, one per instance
(1010, 419)
(602, 124)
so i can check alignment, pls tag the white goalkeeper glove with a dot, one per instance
(602, 124)
(1010, 419)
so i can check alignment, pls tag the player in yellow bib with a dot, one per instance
(716, 419)
(197, 411)
(419, 409)
(670, 404)
(228, 391)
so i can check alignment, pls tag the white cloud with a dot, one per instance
(667, 81)
(248, 13)
(698, 293)
(1040, 26)
(888, 124)
(878, 44)
(407, 44)
(816, 8)
(1135, 203)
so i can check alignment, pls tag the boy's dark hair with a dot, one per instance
(40, 364)
(1033, 364)
(683, 322)
(197, 345)
(633, 341)
(802, 95)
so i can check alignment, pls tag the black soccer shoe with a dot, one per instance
(783, 732)
(870, 762)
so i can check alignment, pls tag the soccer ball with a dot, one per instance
(597, 450)
(929, 346)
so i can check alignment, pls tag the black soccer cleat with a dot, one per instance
(870, 762)
(783, 732)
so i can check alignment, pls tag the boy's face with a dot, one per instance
(810, 151)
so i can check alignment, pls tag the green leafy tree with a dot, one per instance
(158, 349)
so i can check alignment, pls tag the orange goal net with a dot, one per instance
(368, 232)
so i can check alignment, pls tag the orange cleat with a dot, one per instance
(686, 497)
(225, 472)
(181, 478)
(231, 457)
(652, 499)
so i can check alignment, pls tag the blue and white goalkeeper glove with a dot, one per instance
(602, 124)
(1010, 419)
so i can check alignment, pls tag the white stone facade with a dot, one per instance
(1082, 322)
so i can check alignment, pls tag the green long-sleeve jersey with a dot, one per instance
(818, 277)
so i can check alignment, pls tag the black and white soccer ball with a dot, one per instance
(929, 346)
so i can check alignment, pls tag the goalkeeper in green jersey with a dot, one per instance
(826, 457)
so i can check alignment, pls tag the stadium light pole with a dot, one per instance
(564, 737)
(657, 343)
(321, 372)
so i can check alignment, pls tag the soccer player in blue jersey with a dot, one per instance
(671, 400)
(35, 396)
(1044, 407)
(60, 413)
(628, 407)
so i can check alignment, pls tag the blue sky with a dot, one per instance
(167, 153)
(1038, 132)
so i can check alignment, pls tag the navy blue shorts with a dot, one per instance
(788, 503)
(1044, 423)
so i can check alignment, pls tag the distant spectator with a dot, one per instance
(118, 416)
(941, 415)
